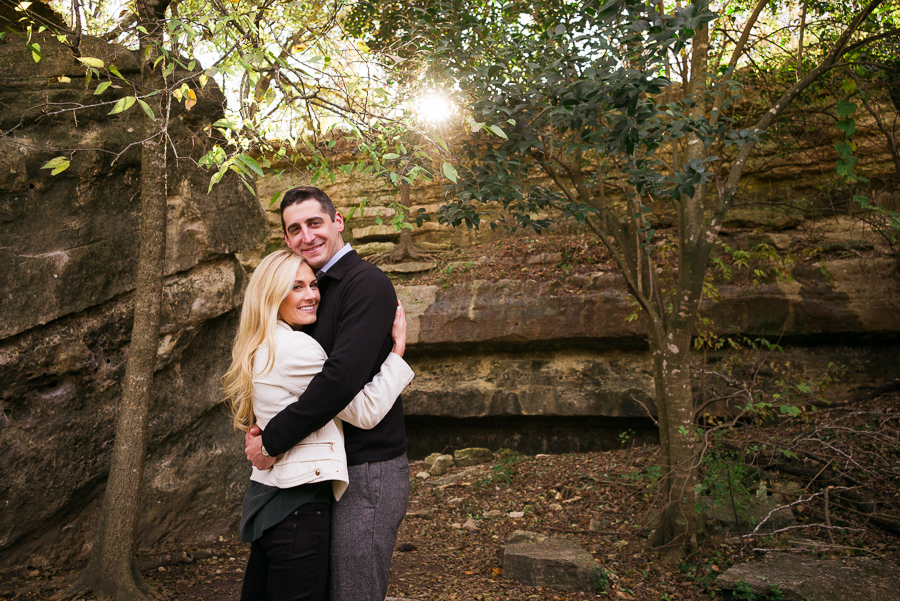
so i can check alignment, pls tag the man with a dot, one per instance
(354, 327)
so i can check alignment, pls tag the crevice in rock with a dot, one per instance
(526, 434)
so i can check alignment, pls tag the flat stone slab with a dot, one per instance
(412, 267)
(554, 563)
(801, 577)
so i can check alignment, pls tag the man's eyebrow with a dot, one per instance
(295, 224)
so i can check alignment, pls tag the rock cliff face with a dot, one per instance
(68, 244)
(488, 355)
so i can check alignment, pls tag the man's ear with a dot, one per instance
(339, 220)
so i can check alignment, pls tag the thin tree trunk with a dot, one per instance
(111, 572)
(405, 250)
(800, 41)
(677, 521)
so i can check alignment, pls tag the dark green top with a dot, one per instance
(266, 506)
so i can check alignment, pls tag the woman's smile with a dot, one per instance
(299, 306)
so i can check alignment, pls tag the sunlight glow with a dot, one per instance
(434, 107)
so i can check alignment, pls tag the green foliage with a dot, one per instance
(729, 480)
(846, 124)
(649, 476)
(884, 222)
(599, 580)
(556, 87)
(743, 592)
(504, 470)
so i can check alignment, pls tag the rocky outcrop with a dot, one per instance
(514, 348)
(69, 244)
(801, 578)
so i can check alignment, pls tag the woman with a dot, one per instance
(287, 510)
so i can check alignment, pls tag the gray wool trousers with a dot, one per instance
(364, 526)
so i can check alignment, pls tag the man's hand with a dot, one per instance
(253, 449)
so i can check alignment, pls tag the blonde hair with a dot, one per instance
(269, 285)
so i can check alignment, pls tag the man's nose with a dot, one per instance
(306, 235)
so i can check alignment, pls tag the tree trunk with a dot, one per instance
(405, 250)
(111, 572)
(677, 520)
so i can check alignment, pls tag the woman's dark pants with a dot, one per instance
(289, 562)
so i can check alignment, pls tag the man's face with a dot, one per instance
(309, 230)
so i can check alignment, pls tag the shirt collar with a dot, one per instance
(334, 259)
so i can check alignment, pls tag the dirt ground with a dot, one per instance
(601, 500)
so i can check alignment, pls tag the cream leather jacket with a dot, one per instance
(320, 456)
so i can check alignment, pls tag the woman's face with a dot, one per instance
(299, 307)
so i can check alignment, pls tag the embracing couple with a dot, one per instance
(316, 369)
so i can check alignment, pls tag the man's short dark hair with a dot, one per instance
(300, 194)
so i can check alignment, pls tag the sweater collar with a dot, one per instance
(334, 259)
(339, 269)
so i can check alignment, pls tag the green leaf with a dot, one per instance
(91, 62)
(847, 126)
(216, 177)
(449, 172)
(147, 109)
(123, 104)
(35, 51)
(789, 410)
(277, 197)
(115, 71)
(101, 87)
(391, 156)
(58, 165)
(848, 86)
(845, 108)
(844, 149)
(251, 163)
(499, 132)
